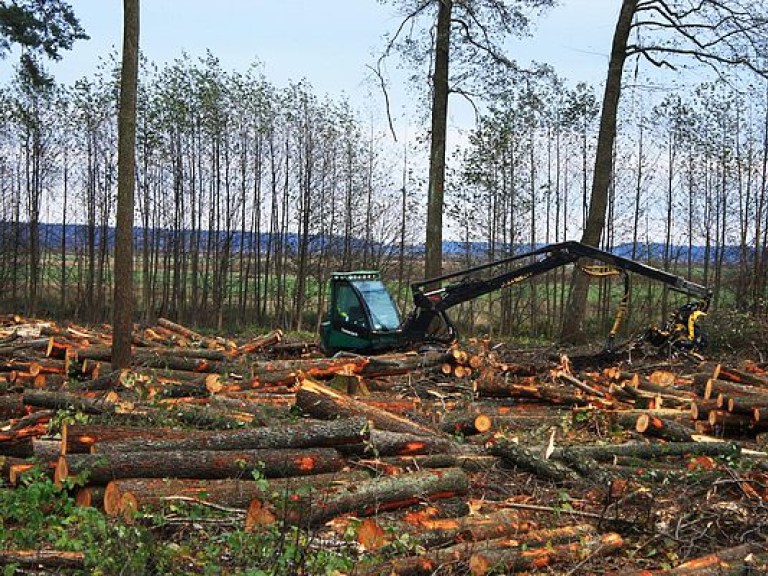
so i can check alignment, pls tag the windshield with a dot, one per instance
(384, 314)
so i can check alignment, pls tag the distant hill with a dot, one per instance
(50, 235)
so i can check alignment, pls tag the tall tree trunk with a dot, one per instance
(123, 312)
(434, 243)
(65, 189)
(573, 324)
(760, 247)
(671, 160)
(306, 178)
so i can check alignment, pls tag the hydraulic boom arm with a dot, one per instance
(433, 304)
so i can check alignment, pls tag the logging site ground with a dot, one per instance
(258, 455)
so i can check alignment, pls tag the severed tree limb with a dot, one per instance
(44, 558)
(607, 452)
(527, 460)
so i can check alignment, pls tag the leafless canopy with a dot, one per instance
(714, 32)
(478, 30)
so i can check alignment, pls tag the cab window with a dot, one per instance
(384, 313)
(349, 308)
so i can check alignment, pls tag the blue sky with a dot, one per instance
(327, 42)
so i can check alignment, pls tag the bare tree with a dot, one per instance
(470, 33)
(714, 32)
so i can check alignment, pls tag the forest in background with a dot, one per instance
(298, 185)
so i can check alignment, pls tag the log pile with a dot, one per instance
(492, 461)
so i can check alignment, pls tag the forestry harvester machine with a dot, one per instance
(363, 318)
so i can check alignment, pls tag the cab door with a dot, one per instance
(350, 314)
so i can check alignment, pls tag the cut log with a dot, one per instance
(308, 434)
(700, 409)
(294, 348)
(64, 400)
(728, 422)
(27, 380)
(204, 464)
(401, 363)
(516, 559)
(154, 493)
(745, 405)
(587, 467)
(386, 443)
(183, 363)
(461, 552)
(395, 465)
(466, 424)
(735, 375)
(440, 531)
(51, 559)
(716, 387)
(504, 522)
(197, 416)
(326, 403)
(79, 438)
(489, 385)
(725, 562)
(187, 333)
(664, 429)
(524, 458)
(19, 443)
(178, 352)
(319, 367)
(11, 406)
(584, 387)
(46, 450)
(522, 540)
(90, 496)
(103, 382)
(30, 367)
(17, 440)
(201, 387)
(648, 451)
(656, 400)
(760, 415)
(372, 496)
(43, 345)
(94, 353)
(260, 343)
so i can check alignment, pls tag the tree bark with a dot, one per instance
(573, 323)
(433, 263)
(11, 406)
(386, 443)
(261, 342)
(372, 496)
(204, 464)
(647, 451)
(153, 493)
(308, 434)
(663, 428)
(326, 403)
(123, 294)
(518, 559)
(522, 457)
(724, 562)
(64, 400)
(79, 438)
(45, 558)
